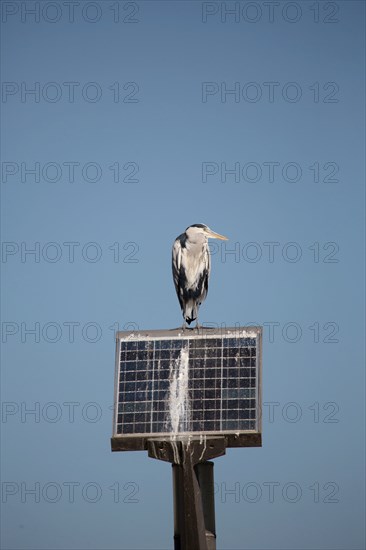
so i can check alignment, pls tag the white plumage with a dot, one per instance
(191, 268)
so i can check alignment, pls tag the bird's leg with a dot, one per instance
(197, 327)
(184, 326)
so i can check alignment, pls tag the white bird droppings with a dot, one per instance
(179, 404)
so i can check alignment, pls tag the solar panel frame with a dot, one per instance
(234, 437)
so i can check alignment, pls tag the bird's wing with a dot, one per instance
(176, 266)
(206, 274)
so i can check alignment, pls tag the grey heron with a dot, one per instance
(191, 268)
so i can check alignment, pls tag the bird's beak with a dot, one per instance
(212, 235)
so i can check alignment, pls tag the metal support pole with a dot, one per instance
(193, 489)
(205, 476)
(189, 523)
(197, 532)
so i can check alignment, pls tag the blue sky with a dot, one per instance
(138, 114)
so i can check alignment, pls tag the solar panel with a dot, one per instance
(178, 383)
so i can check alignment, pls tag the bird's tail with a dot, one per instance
(190, 312)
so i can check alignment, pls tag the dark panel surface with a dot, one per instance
(177, 384)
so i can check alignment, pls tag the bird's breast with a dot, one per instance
(194, 263)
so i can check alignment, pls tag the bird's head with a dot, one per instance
(200, 232)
